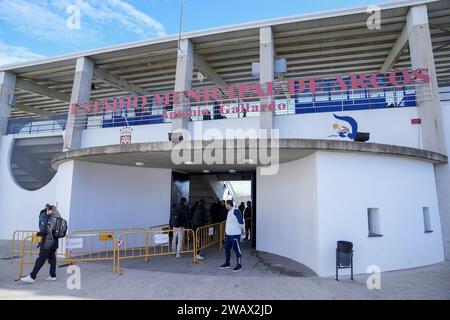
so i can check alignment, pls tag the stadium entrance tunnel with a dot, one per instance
(214, 188)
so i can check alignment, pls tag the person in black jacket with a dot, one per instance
(222, 211)
(247, 217)
(200, 218)
(48, 247)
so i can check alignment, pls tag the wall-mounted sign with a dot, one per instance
(161, 238)
(126, 134)
(345, 127)
(231, 92)
(74, 243)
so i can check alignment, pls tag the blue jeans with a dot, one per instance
(232, 241)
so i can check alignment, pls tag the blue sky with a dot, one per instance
(33, 29)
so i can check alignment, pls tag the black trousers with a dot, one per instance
(44, 255)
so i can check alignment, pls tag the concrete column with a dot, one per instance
(421, 52)
(183, 81)
(266, 72)
(81, 93)
(7, 85)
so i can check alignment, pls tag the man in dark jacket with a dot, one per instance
(222, 211)
(48, 247)
(200, 218)
(213, 211)
(247, 217)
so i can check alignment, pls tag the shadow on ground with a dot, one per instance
(255, 264)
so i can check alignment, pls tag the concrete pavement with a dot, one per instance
(264, 277)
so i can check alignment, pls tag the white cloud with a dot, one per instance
(46, 19)
(12, 54)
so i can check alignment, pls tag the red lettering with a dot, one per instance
(358, 81)
(314, 86)
(393, 78)
(281, 106)
(291, 85)
(340, 81)
(420, 75)
(374, 80)
(242, 89)
(73, 108)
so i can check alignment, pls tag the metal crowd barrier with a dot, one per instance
(79, 247)
(88, 247)
(222, 230)
(16, 242)
(152, 243)
(208, 235)
(114, 231)
(159, 227)
(20, 235)
(116, 244)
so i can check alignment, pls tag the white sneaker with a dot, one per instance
(199, 257)
(27, 279)
(51, 278)
(179, 256)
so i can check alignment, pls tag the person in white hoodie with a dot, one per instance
(233, 230)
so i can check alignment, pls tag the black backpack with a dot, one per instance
(56, 226)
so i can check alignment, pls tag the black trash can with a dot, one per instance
(344, 257)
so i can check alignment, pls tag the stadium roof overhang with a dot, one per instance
(160, 154)
(327, 43)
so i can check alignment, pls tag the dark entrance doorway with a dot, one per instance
(214, 186)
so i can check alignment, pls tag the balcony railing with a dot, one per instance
(285, 104)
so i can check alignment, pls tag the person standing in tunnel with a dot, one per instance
(247, 220)
(179, 221)
(233, 230)
(199, 219)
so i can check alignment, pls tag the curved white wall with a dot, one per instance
(287, 212)
(313, 202)
(388, 126)
(109, 196)
(88, 195)
(349, 183)
(19, 208)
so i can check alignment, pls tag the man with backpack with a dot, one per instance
(53, 228)
(179, 221)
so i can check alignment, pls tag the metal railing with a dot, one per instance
(329, 99)
(208, 235)
(38, 124)
(83, 247)
(117, 244)
(152, 243)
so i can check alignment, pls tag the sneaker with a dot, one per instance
(50, 278)
(27, 279)
(199, 257)
(225, 266)
(237, 268)
(178, 255)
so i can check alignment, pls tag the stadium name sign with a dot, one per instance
(374, 80)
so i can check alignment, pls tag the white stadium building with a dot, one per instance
(340, 120)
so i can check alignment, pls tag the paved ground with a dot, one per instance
(264, 277)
